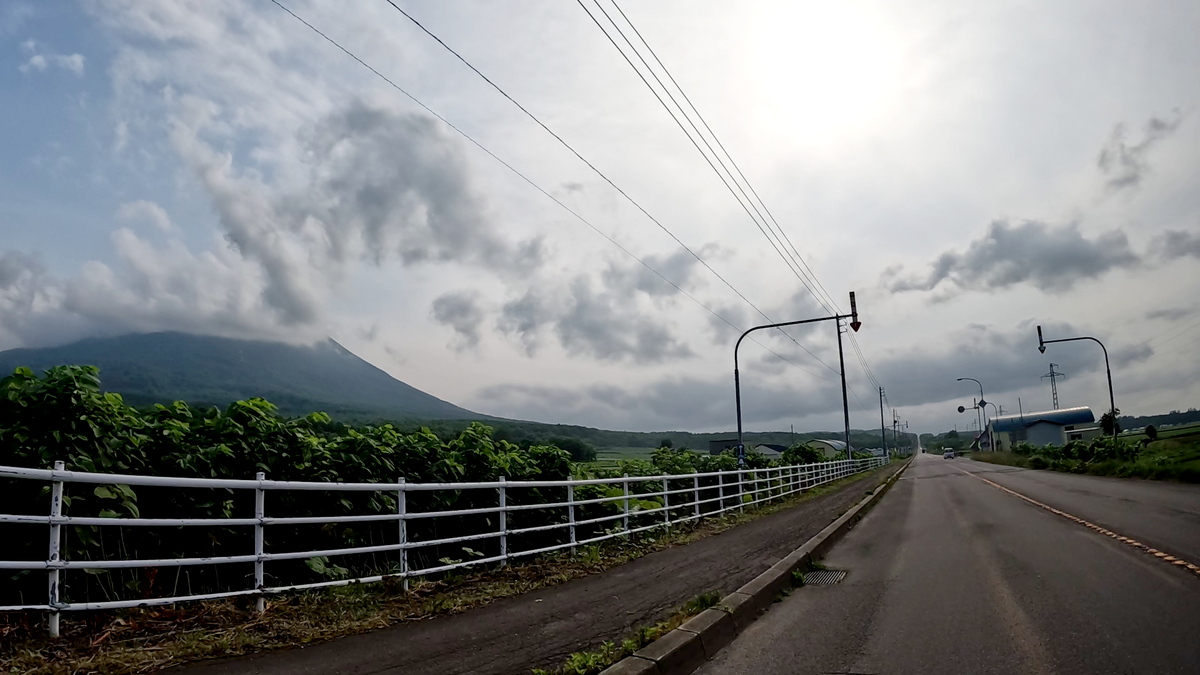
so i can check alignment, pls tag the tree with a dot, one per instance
(1107, 422)
(1151, 432)
(802, 453)
(666, 443)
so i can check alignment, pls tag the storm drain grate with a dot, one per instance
(824, 577)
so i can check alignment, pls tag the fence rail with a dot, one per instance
(674, 498)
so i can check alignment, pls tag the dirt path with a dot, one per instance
(539, 629)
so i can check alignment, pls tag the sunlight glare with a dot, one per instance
(823, 70)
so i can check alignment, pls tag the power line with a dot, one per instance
(721, 145)
(792, 258)
(772, 237)
(598, 172)
(535, 185)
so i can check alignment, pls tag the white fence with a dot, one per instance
(730, 490)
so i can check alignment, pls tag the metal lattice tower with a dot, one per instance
(1054, 382)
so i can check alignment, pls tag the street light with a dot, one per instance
(981, 405)
(737, 380)
(1112, 405)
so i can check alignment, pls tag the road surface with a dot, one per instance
(949, 574)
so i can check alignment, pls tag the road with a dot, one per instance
(949, 574)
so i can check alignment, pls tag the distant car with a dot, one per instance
(949, 454)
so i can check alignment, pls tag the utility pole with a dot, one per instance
(882, 426)
(1053, 382)
(895, 432)
(842, 362)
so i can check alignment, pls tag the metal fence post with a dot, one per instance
(696, 493)
(625, 486)
(666, 501)
(402, 511)
(56, 499)
(741, 489)
(260, 604)
(503, 524)
(571, 514)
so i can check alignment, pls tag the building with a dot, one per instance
(770, 450)
(830, 448)
(719, 446)
(1049, 427)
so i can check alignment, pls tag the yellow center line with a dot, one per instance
(1128, 541)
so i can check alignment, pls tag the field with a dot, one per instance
(608, 458)
(1172, 458)
(1176, 431)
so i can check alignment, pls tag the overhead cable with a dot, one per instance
(537, 187)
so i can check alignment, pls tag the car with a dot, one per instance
(949, 454)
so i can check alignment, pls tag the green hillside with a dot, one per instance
(164, 367)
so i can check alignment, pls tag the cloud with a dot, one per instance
(1005, 359)
(13, 15)
(1123, 164)
(523, 317)
(1170, 314)
(1050, 258)
(1174, 244)
(461, 312)
(628, 278)
(157, 287)
(142, 212)
(668, 403)
(378, 184)
(603, 325)
(28, 295)
(149, 287)
(41, 60)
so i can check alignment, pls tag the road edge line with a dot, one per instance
(686, 648)
(1128, 541)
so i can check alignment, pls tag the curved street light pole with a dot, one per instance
(982, 405)
(737, 379)
(1112, 404)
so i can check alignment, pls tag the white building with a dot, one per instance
(1048, 427)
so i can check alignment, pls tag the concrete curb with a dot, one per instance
(686, 648)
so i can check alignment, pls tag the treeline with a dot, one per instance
(1174, 417)
(526, 433)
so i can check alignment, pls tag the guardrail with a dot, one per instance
(729, 489)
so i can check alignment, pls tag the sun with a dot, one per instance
(822, 70)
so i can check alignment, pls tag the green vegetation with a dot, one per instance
(66, 416)
(592, 662)
(1165, 459)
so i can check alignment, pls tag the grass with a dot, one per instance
(1164, 433)
(609, 652)
(149, 639)
(607, 458)
(1165, 459)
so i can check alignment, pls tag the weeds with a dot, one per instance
(590, 663)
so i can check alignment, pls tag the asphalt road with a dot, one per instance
(951, 575)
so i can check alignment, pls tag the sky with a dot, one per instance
(969, 171)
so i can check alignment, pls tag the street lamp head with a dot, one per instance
(1041, 343)
(961, 409)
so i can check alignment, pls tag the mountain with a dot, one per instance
(164, 367)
